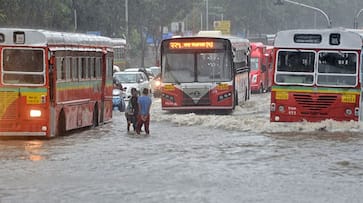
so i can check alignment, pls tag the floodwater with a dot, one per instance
(190, 158)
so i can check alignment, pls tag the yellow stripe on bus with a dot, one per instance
(7, 98)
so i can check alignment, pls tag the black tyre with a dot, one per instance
(61, 127)
(95, 116)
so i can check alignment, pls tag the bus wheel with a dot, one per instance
(61, 128)
(95, 116)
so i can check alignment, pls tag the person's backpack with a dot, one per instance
(129, 109)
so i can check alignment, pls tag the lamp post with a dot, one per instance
(356, 19)
(281, 2)
(127, 20)
(206, 14)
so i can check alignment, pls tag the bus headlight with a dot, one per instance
(35, 113)
(281, 108)
(348, 112)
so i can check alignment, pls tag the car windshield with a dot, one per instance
(155, 70)
(126, 78)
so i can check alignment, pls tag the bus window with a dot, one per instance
(254, 63)
(61, 66)
(25, 60)
(296, 61)
(98, 68)
(68, 68)
(213, 67)
(74, 68)
(337, 69)
(179, 68)
(295, 67)
(344, 63)
(23, 66)
(84, 68)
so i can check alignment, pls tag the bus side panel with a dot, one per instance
(242, 87)
(77, 101)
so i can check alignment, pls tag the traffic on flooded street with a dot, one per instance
(193, 101)
(190, 158)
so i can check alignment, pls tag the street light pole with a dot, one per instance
(206, 14)
(356, 19)
(280, 2)
(127, 20)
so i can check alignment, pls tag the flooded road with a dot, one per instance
(190, 158)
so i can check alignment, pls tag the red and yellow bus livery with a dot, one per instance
(204, 72)
(317, 76)
(53, 82)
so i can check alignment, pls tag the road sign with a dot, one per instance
(222, 25)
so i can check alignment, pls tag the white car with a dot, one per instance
(147, 71)
(155, 69)
(132, 79)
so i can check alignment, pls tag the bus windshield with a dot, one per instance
(295, 67)
(197, 67)
(23, 66)
(333, 68)
(254, 63)
(337, 68)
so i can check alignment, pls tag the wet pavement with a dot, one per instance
(188, 158)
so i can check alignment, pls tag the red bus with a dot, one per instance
(53, 82)
(270, 63)
(205, 72)
(120, 51)
(317, 75)
(260, 68)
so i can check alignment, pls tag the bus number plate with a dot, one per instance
(282, 95)
(348, 98)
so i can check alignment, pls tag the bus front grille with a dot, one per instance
(314, 102)
(196, 97)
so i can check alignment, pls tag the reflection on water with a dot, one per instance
(22, 149)
(34, 150)
(188, 158)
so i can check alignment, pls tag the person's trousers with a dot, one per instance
(143, 120)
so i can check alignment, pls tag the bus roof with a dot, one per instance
(39, 37)
(118, 42)
(319, 38)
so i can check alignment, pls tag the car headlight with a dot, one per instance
(157, 83)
